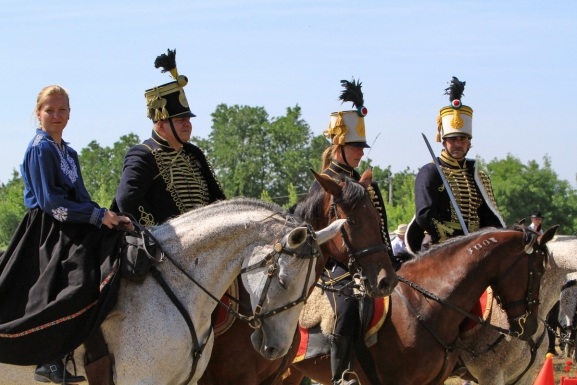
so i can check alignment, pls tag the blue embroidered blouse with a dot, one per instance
(53, 182)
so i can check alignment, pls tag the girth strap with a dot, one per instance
(196, 348)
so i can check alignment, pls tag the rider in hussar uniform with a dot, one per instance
(166, 175)
(471, 187)
(347, 135)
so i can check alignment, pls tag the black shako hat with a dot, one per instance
(168, 100)
(536, 214)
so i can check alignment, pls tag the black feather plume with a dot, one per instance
(352, 93)
(167, 61)
(455, 89)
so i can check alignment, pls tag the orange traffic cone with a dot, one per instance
(545, 376)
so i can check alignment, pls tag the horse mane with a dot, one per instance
(529, 236)
(310, 209)
(239, 203)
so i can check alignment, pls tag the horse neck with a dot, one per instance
(212, 250)
(459, 272)
(563, 261)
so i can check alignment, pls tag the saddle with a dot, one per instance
(317, 319)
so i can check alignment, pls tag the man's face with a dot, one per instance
(182, 126)
(457, 146)
(536, 221)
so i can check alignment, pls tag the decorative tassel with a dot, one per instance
(439, 127)
(164, 115)
(157, 114)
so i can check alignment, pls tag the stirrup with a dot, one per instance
(350, 382)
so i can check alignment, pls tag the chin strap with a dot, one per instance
(174, 132)
(344, 156)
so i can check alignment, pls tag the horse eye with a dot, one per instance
(351, 221)
(282, 283)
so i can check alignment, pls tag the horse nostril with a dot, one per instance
(270, 351)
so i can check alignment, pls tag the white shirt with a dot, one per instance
(533, 227)
(398, 245)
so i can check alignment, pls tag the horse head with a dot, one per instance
(518, 295)
(360, 242)
(278, 280)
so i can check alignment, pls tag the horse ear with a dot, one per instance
(547, 236)
(367, 177)
(521, 222)
(328, 184)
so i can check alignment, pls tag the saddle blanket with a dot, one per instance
(482, 309)
(315, 343)
(223, 319)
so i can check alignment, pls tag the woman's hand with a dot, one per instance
(111, 220)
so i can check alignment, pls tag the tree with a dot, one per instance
(102, 168)
(402, 208)
(251, 153)
(12, 208)
(520, 189)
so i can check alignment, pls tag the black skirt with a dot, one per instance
(58, 281)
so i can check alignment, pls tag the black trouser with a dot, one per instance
(346, 308)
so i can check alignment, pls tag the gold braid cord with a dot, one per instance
(183, 179)
(146, 219)
(467, 196)
(375, 200)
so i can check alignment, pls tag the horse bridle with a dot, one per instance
(255, 321)
(353, 255)
(529, 300)
(271, 260)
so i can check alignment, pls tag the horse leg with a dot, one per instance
(552, 321)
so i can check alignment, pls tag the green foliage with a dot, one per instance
(12, 208)
(293, 197)
(521, 188)
(402, 208)
(251, 153)
(264, 196)
(102, 168)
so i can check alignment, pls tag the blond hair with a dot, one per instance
(328, 156)
(48, 91)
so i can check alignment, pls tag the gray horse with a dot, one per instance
(148, 337)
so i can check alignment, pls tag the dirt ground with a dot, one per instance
(559, 366)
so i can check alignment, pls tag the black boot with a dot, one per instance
(341, 353)
(54, 372)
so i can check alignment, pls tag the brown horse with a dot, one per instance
(233, 359)
(418, 343)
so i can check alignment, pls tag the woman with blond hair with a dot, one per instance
(58, 274)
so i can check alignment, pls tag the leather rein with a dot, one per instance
(479, 320)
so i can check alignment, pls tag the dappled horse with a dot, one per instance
(494, 359)
(418, 342)
(146, 334)
(360, 241)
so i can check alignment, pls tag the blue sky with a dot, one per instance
(517, 57)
